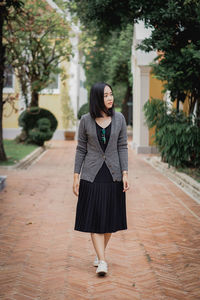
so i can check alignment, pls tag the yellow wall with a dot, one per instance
(185, 105)
(155, 91)
(54, 102)
(10, 117)
(51, 102)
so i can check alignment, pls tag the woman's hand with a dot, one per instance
(125, 182)
(76, 184)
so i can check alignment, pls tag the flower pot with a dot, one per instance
(69, 135)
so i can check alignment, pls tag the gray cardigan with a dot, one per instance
(89, 154)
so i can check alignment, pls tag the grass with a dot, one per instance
(192, 172)
(15, 152)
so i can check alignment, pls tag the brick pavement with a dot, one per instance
(42, 257)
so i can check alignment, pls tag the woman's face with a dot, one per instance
(108, 97)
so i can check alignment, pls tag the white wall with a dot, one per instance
(141, 76)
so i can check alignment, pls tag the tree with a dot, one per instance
(108, 59)
(117, 64)
(37, 41)
(6, 8)
(175, 32)
(179, 62)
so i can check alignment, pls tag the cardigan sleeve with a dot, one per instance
(81, 148)
(122, 145)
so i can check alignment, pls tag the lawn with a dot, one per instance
(16, 152)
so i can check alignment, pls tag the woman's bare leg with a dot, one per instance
(106, 238)
(99, 244)
(100, 241)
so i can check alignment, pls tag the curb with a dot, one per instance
(185, 182)
(2, 182)
(27, 160)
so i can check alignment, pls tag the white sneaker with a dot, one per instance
(96, 262)
(102, 268)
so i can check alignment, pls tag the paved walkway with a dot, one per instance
(42, 257)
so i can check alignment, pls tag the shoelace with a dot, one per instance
(101, 262)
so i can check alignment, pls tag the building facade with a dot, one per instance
(58, 97)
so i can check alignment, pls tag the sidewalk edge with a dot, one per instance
(27, 160)
(185, 182)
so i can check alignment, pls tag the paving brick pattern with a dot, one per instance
(43, 257)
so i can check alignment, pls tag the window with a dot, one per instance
(8, 80)
(53, 87)
(54, 84)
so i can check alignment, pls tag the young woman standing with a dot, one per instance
(102, 159)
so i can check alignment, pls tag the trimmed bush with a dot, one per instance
(38, 125)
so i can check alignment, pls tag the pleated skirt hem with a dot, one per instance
(82, 230)
(101, 207)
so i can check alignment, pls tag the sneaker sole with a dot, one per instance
(102, 273)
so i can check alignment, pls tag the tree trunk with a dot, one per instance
(2, 151)
(198, 112)
(124, 104)
(34, 99)
(2, 66)
(177, 105)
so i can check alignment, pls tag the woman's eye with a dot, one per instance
(107, 95)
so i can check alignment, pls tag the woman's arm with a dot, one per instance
(81, 148)
(122, 145)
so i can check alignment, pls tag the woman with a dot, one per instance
(102, 153)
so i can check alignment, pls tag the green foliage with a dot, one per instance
(41, 132)
(8, 6)
(36, 41)
(108, 59)
(84, 109)
(106, 15)
(117, 63)
(175, 32)
(107, 52)
(38, 125)
(156, 113)
(176, 134)
(68, 116)
(179, 66)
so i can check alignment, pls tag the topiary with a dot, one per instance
(38, 125)
(42, 132)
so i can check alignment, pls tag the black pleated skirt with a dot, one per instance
(101, 205)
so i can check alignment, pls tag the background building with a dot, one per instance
(58, 97)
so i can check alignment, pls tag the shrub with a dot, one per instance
(38, 125)
(83, 110)
(176, 134)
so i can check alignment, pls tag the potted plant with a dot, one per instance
(68, 117)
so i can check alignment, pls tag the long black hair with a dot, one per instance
(96, 104)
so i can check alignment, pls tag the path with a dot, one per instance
(43, 257)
